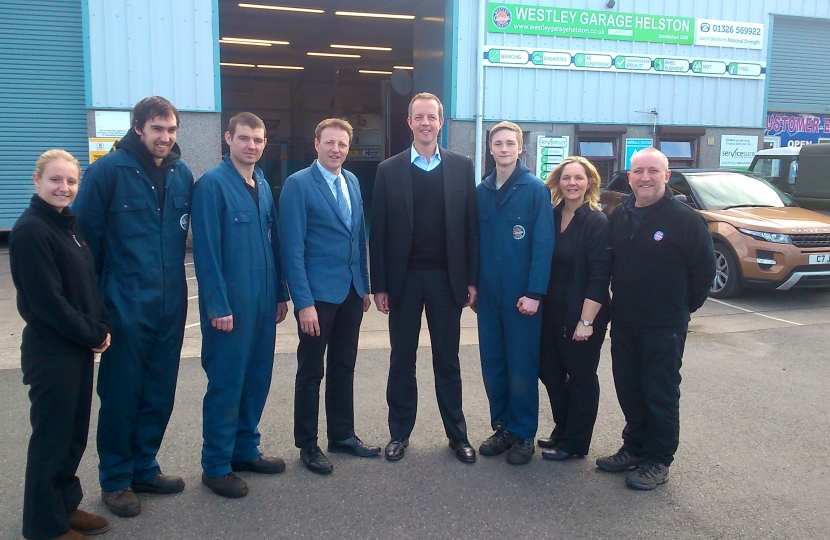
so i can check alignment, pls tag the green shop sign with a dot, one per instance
(588, 23)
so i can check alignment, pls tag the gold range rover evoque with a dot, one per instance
(762, 238)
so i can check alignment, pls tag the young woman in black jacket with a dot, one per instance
(575, 308)
(66, 323)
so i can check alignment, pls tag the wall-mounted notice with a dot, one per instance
(550, 151)
(100, 146)
(737, 151)
(635, 145)
(110, 124)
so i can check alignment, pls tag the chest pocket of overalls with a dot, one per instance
(519, 221)
(129, 215)
(182, 206)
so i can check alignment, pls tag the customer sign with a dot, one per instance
(593, 24)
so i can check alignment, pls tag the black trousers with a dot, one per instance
(60, 390)
(568, 369)
(646, 364)
(425, 290)
(339, 331)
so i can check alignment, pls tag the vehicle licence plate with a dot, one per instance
(820, 258)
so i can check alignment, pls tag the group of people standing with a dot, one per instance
(534, 260)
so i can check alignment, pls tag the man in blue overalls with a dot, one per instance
(516, 235)
(134, 209)
(242, 297)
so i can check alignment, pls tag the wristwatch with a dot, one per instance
(586, 322)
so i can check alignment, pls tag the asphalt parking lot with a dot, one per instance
(753, 458)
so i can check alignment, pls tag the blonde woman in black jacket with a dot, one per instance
(575, 308)
(66, 323)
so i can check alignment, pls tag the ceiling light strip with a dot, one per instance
(360, 47)
(373, 72)
(281, 8)
(233, 64)
(334, 55)
(255, 40)
(402, 67)
(374, 15)
(268, 66)
(254, 43)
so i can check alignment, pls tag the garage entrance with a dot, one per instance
(298, 63)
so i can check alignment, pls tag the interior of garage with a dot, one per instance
(295, 63)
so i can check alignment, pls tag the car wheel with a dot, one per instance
(727, 282)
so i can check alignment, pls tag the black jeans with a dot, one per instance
(568, 369)
(646, 364)
(60, 389)
(339, 331)
(425, 290)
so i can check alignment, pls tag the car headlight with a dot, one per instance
(777, 238)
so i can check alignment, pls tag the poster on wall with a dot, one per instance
(100, 146)
(635, 145)
(109, 124)
(792, 129)
(737, 151)
(550, 151)
(658, 64)
(610, 25)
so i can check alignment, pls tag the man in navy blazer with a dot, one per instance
(323, 254)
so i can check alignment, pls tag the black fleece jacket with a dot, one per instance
(663, 270)
(592, 263)
(54, 274)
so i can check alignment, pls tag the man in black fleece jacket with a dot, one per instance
(662, 271)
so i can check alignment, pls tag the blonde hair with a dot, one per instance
(51, 155)
(509, 126)
(591, 194)
(337, 123)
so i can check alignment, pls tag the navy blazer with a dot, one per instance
(322, 256)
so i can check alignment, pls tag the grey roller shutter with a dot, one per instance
(42, 98)
(799, 68)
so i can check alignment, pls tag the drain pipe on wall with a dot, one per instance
(479, 90)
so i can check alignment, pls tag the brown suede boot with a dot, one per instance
(72, 535)
(88, 524)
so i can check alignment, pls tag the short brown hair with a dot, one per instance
(509, 126)
(591, 194)
(245, 119)
(51, 155)
(338, 123)
(426, 95)
(153, 107)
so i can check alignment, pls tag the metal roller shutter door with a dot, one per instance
(799, 68)
(42, 99)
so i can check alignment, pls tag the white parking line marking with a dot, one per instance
(754, 312)
(191, 325)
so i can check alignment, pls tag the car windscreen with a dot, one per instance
(722, 190)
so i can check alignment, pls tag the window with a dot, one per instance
(680, 153)
(602, 153)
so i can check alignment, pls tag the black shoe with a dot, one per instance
(623, 460)
(497, 443)
(122, 503)
(161, 484)
(521, 452)
(230, 485)
(560, 455)
(548, 442)
(353, 446)
(463, 451)
(395, 449)
(262, 464)
(315, 460)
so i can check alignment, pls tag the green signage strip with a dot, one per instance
(617, 62)
(588, 23)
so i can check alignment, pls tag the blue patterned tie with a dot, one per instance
(341, 202)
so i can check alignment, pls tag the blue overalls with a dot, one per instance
(516, 253)
(236, 254)
(139, 250)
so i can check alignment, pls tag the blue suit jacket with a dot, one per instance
(322, 257)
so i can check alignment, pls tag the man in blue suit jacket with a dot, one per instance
(323, 256)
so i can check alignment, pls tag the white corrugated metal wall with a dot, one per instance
(164, 47)
(524, 94)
